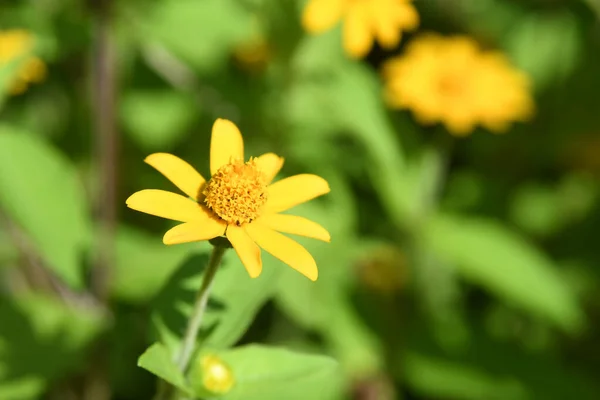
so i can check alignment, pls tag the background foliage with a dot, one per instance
(458, 269)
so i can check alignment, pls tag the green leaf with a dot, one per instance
(202, 33)
(348, 99)
(438, 378)
(158, 360)
(270, 373)
(42, 340)
(22, 389)
(157, 119)
(143, 264)
(8, 72)
(546, 46)
(489, 254)
(233, 304)
(42, 194)
(324, 304)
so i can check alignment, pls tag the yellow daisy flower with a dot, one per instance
(363, 21)
(451, 80)
(13, 45)
(239, 201)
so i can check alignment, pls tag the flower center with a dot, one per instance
(451, 85)
(236, 192)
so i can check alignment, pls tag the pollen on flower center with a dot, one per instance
(236, 192)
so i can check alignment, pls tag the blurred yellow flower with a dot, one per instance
(238, 201)
(451, 80)
(216, 375)
(15, 44)
(363, 21)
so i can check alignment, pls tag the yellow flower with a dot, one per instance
(15, 44)
(363, 21)
(239, 201)
(451, 80)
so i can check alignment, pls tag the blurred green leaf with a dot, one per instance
(346, 98)
(22, 389)
(202, 33)
(492, 256)
(234, 301)
(438, 378)
(270, 373)
(40, 192)
(143, 264)
(158, 360)
(7, 74)
(41, 340)
(535, 209)
(546, 46)
(324, 305)
(157, 119)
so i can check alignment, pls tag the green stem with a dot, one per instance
(191, 333)
(164, 390)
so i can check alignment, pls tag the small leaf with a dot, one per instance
(270, 373)
(41, 193)
(157, 360)
(492, 256)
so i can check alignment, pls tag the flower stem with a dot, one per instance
(195, 321)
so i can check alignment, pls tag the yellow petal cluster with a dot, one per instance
(15, 44)
(453, 81)
(239, 201)
(364, 21)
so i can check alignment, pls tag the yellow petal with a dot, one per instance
(270, 164)
(321, 15)
(182, 174)
(295, 225)
(195, 231)
(284, 248)
(167, 205)
(406, 15)
(357, 33)
(226, 143)
(246, 250)
(386, 28)
(297, 189)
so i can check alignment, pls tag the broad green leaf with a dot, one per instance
(143, 264)
(42, 194)
(270, 373)
(158, 360)
(202, 33)
(241, 298)
(488, 254)
(438, 378)
(42, 340)
(157, 119)
(234, 301)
